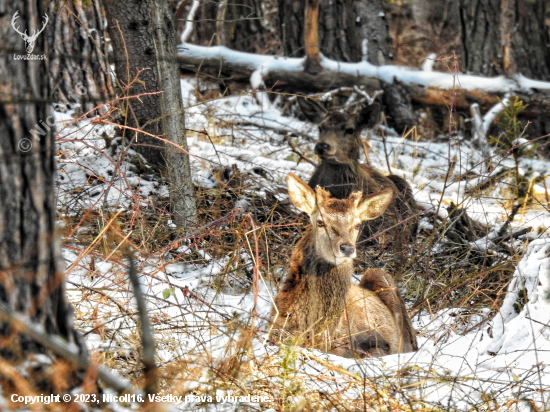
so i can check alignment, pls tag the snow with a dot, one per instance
(458, 366)
(364, 70)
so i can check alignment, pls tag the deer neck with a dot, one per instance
(325, 287)
(340, 179)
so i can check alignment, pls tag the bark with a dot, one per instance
(143, 36)
(31, 269)
(244, 25)
(505, 37)
(182, 196)
(129, 25)
(349, 31)
(437, 17)
(78, 54)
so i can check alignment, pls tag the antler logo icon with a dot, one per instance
(29, 40)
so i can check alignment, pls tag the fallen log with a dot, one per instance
(425, 86)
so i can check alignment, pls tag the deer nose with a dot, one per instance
(321, 148)
(347, 250)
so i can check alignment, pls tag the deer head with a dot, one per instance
(29, 40)
(336, 223)
(339, 132)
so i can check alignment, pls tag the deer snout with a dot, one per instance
(347, 250)
(322, 148)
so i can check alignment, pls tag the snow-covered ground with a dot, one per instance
(472, 365)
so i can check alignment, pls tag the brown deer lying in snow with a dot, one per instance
(341, 173)
(319, 300)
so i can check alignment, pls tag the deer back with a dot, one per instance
(381, 283)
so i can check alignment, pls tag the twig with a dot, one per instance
(194, 233)
(63, 350)
(147, 340)
(122, 308)
(293, 148)
(502, 231)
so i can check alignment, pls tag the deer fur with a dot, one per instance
(319, 301)
(340, 172)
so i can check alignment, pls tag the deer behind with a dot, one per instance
(340, 172)
(319, 300)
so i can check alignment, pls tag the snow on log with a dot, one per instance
(427, 87)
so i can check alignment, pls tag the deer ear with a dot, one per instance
(374, 205)
(312, 110)
(368, 116)
(301, 194)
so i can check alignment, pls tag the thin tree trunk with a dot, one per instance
(143, 36)
(78, 54)
(182, 197)
(31, 269)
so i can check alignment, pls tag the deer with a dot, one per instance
(319, 302)
(29, 40)
(340, 172)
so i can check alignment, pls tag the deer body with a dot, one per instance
(340, 172)
(319, 300)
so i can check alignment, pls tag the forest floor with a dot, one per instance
(480, 308)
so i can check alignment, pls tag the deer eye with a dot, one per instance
(350, 130)
(320, 223)
(358, 226)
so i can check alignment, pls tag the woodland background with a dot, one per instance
(143, 236)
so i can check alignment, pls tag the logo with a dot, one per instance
(29, 40)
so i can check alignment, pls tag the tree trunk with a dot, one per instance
(78, 54)
(31, 269)
(349, 31)
(505, 37)
(244, 25)
(436, 18)
(182, 197)
(129, 26)
(343, 25)
(143, 36)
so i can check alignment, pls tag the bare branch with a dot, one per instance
(189, 23)
(63, 350)
(147, 340)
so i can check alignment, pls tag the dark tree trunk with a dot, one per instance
(505, 37)
(31, 269)
(244, 25)
(143, 36)
(437, 18)
(346, 29)
(343, 25)
(78, 54)
(129, 25)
